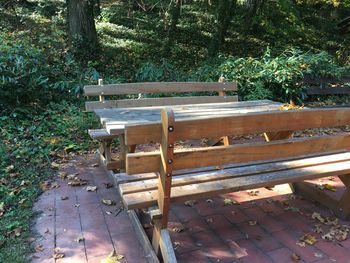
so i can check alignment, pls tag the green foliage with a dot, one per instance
(31, 140)
(152, 72)
(38, 74)
(272, 77)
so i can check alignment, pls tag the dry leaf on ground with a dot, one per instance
(190, 203)
(295, 257)
(107, 202)
(113, 257)
(64, 197)
(228, 201)
(57, 254)
(39, 248)
(91, 188)
(308, 239)
(252, 222)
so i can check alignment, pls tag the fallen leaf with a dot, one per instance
(293, 209)
(329, 187)
(76, 205)
(190, 203)
(57, 254)
(317, 216)
(108, 212)
(9, 168)
(318, 255)
(39, 248)
(79, 239)
(62, 175)
(253, 193)
(72, 176)
(90, 188)
(77, 182)
(300, 243)
(210, 220)
(45, 186)
(308, 239)
(258, 237)
(2, 209)
(179, 229)
(55, 165)
(252, 222)
(295, 257)
(95, 165)
(228, 201)
(318, 229)
(108, 202)
(15, 233)
(113, 257)
(108, 185)
(47, 231)
(209, 201)
(64, 197)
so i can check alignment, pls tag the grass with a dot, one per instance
(30, 141)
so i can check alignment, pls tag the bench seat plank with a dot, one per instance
(232, 181)
(100, 134)
(149, 182)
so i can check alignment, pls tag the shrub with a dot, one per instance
(272, 77)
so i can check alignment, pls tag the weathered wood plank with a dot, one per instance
(148, 182)
(150, 102)
(100, 134)
(211, 156)
(326, 91)
(239, 124)
(207, 189)
(158, 87)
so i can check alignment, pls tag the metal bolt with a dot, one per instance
(168, 174)
(170, 128)
(170, 161)
(171, 146)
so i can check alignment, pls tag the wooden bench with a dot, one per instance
(326, 86)
(159, 178)
(170, 89)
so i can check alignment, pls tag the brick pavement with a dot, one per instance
(260, 227)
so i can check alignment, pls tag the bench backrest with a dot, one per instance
(158, 88)
(262, 122)
(326, 85)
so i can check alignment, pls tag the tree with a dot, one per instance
(225, 10)
(81, 24)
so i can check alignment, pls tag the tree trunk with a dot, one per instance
(225, 11)
(170, 23)
(81, 23)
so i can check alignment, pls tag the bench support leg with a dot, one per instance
(124, 150)
(340, 207)
(282, 135)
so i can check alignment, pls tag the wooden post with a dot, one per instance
(100, 83)
(222, 93)
(164, 180)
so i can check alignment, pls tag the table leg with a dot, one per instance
(124, 150)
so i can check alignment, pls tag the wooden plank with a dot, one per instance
(325, 91)
(158, 87)
(166, 165)
(146, 182)
(240, 124)
(166, 247)
(150, 102)
(100, 134)
(208, 189)
(319, 80)
(142, 236)
(311, 192)
(211, 156)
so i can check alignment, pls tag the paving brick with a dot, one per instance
(235, 215)
(299, 223)
(184, 213)
(97, 242)
(260, 237)
(229, 233)
(334, 251)
(207, 239)
(245, 251)
(282, 255)
(264, 220)
(289, 240)
(197, 256)
(182, 242)
(196, 224)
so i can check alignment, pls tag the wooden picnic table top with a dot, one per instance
(115, 119)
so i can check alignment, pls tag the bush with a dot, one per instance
(272, 77)
(38, 74)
